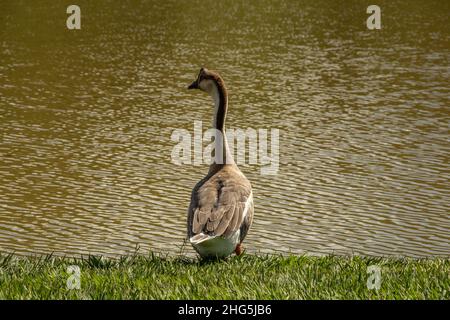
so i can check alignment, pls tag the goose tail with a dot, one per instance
(214, 246)
(199, 238)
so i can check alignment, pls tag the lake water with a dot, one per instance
(86, 118)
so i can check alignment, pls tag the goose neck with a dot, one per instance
(220, 98)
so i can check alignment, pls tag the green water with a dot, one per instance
(86, 118)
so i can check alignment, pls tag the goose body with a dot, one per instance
(221, 209)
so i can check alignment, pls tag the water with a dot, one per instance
(86, 119)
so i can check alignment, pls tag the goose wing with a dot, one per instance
(220, 207)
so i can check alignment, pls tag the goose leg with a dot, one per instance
(239, 250)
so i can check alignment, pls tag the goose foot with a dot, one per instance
(239, 250)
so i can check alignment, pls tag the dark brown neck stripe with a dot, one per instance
(222, 109)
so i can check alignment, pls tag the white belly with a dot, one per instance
(216, 246)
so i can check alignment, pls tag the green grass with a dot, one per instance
(244, 277)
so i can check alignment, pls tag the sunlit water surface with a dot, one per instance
(86, 119)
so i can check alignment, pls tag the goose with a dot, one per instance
(221, 208)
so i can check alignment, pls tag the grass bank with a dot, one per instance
(244, 277)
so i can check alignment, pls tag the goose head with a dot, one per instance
(206, 81)
(211, 83)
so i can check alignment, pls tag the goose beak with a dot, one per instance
(193, 85)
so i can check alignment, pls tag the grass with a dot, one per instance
(244, 277)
